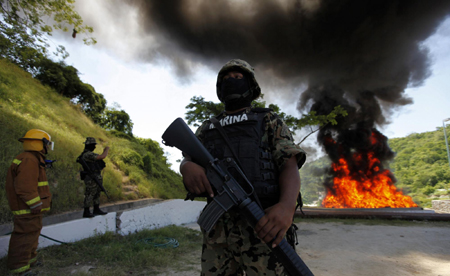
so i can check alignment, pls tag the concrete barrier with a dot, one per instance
(164, 213)
(159, 215)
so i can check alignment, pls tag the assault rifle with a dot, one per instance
(228, 191)
(88, 171)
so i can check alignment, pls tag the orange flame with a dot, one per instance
(372, 187)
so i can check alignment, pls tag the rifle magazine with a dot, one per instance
(213, 211)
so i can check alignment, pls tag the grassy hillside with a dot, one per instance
(136, 168)
(420, 166)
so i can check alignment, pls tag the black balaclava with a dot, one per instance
(236, 93)
(90, 147)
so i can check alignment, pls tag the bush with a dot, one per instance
(136, 177)
(428, 190)
(147, 161)
(131, 157)
(144, 190)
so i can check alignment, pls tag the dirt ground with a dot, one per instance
(354, 249)
(345, 249)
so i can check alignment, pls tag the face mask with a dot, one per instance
(49, 144)
(90, 147)
(236, 93)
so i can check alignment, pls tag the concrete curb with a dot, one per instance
(74, 215)
(121, 218)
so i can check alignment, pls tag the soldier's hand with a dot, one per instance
(195, 180)
(106, 149)
(272, 227)
(36, 210)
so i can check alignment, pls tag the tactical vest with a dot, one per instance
(245, 132)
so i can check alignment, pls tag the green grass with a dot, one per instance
(26, 104)
(113, 254)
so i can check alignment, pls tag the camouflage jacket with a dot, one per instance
(91, 159)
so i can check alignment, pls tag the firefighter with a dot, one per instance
(29, 197)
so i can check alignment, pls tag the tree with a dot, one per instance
(94, 104)
(53, 74)
(311, 120)
(24, 28)
(65, 80)
(200, 110)
(118, 120)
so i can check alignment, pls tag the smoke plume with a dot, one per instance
(362, 54)
(359, 54)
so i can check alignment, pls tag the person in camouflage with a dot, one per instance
(263, 144)
(96, 164)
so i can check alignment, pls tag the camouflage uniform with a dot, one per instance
(232, 246)
(92, 193)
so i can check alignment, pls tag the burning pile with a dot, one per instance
(359, 179)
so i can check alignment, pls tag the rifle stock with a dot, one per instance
(179, 135)
(228, 192)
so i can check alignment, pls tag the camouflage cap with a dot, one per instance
(90, 140)
(243, 66)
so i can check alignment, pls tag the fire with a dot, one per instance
(365, 184)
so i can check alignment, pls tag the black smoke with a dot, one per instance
(360, 54)
(370, 51)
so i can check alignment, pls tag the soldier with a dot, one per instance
(29, 197)
(96, 164)
(270, 159)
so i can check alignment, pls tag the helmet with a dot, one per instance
(242, 66)
(90, 141)
(35, 139)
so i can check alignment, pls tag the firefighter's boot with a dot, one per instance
(97, 210)
(87, 213)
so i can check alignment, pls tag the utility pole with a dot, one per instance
(446, 142)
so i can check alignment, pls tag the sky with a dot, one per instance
(152, 72)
